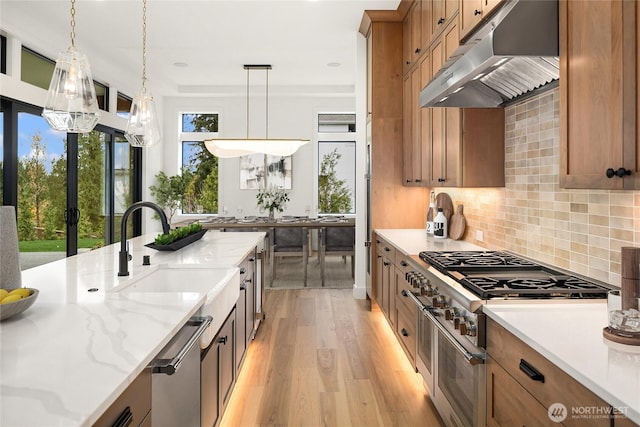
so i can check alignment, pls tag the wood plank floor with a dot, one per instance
(322, 358)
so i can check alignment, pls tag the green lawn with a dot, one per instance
(53, 245)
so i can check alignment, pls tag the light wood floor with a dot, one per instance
(322, 358)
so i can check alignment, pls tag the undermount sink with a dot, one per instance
(220, 284)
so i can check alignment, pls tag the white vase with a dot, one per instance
(10, 275)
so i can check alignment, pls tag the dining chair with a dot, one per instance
(338, 241)
(289, 242)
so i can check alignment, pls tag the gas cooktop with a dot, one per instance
(494, 274)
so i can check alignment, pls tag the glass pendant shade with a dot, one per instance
(229, 148)
(71, 104)
(143, 129)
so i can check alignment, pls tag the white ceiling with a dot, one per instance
(299, 38)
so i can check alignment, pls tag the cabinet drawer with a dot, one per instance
(401, 261)
(508, 403)
(133, 403)
(516, 357)
(386, 249)
(402, 302)
(406, 331)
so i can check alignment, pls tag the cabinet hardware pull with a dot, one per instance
(408, 62)
(243, 287)
(223, 340)
(404, 332)
(620, 173)
(386, 249)
(417, 50)
(477, 12)
(404, 264)
(243, 270)
(440, 21)
(441, 179)
(530, 371)
(124, 419)
(385, 263)
(418, 180)
(408, 181)
(252, 259)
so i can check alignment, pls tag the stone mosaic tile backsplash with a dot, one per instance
(580, 230)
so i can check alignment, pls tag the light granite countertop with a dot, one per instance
(70, 355)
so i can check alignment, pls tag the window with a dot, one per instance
(336, 164)
(3, 55)
(123, 105)
(102, 95)
(199, 167)
(36, 69)
(336, 123)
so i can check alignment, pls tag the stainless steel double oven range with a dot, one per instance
(450, 289)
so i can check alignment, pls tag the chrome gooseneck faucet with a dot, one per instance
(124, 253)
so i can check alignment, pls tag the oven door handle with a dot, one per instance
(427, 310)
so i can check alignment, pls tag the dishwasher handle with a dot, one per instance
(170, 366)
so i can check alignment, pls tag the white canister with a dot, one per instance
(440, 225)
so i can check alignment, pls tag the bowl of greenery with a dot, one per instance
(178, 238)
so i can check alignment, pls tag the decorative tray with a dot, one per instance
(178, 244)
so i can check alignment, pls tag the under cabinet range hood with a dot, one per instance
(513, 53)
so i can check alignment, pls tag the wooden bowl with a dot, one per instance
(12, 308)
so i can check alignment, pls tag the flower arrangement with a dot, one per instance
(272, 199)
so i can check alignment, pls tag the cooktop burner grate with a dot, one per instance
(494, 274)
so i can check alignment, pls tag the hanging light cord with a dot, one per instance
(266, 124)
(144, 45)
(73, 23)
(247, 103)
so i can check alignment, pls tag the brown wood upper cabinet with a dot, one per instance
(412, 42)
(472, 12)
(599, 97)
(416, 128)
(441, 12)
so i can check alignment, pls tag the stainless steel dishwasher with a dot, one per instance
(175, 383)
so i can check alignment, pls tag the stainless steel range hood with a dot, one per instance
(514, 53)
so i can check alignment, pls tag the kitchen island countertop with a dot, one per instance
(70, 355)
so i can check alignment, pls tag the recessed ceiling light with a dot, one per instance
(180, 64)
(333, 64)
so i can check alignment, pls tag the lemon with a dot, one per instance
(3, 293)
(22, 292)
(11, 298)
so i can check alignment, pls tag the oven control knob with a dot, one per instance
(429, 290)
(439, 301)
(468, 328)
(457, 321)
(448, 314)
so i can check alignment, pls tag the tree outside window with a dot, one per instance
(336, 177)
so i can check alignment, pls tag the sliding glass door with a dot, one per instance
(70, 189)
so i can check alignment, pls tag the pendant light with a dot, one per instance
(143, 126)
(71, 104)
(229, 148)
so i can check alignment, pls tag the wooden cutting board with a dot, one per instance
(457, 224)
(443, 200)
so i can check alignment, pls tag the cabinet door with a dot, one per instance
(227, 362)
(209, 398)
(437, 172)
(508, 403)
(424, 140)
(426, 14)
(250, 315)
(597, 119)
(241, 308)
(470, 15)
(407, 132)
(438, 17)
(133, 403)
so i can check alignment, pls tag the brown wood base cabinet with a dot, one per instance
(525, 388)
(218, 373)
(133, 406)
